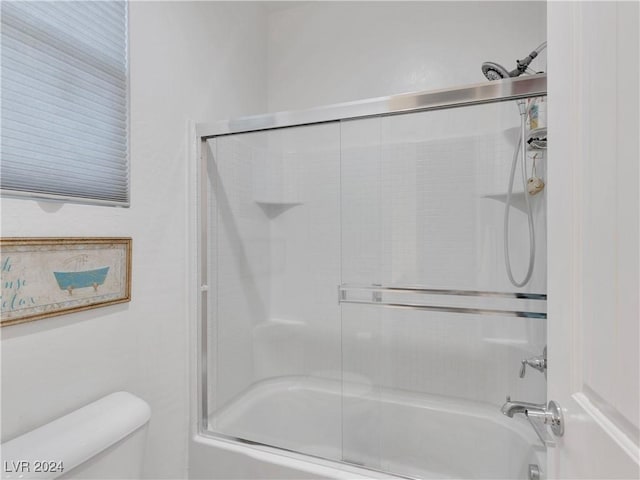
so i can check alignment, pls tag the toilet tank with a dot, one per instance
(105, 439)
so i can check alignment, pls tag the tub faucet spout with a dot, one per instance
(539, 416)
(510, 408)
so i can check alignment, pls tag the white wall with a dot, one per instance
(328, 52)
(189, 60)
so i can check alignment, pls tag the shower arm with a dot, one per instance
(523, 64)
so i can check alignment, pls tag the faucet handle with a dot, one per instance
(523, 368)
(538, 362)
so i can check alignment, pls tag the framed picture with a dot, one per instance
(43, 277)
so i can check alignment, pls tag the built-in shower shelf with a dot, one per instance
(273, 209)
(517, 200)
(277, 202)
(472, 302)
(509, 342)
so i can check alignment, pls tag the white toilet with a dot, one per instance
(105, 439)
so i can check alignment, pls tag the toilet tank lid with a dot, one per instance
(76, 437)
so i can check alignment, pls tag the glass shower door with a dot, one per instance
(274, 347)
(358, 306)
(433, 332)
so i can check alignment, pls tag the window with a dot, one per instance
(65, 101)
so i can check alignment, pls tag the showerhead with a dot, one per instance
(494, 71)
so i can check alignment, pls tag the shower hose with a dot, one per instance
(520, 147)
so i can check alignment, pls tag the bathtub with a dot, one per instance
(390, 432)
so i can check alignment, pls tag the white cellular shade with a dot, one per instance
(65, 100)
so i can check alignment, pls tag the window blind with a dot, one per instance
(65, 100)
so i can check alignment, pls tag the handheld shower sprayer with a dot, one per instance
(520, 148)
(495, 71)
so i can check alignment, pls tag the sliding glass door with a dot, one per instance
(358, 306)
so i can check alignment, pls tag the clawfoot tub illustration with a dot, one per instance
(71, 280)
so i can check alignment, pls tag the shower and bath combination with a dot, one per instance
(534, 184)
(364, 196)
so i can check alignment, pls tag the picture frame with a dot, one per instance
(50, 276)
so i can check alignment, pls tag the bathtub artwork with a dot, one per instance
(43, 277)
(81, 278)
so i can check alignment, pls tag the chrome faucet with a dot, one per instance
(510, 408)
(539, 415)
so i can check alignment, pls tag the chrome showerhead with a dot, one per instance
(494, 71)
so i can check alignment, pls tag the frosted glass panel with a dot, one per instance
(274, 331)
(423, 390)
(359, 308)
(433, 331)
(423, 199)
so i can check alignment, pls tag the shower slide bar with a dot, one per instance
(512, 304)
(479, 93)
